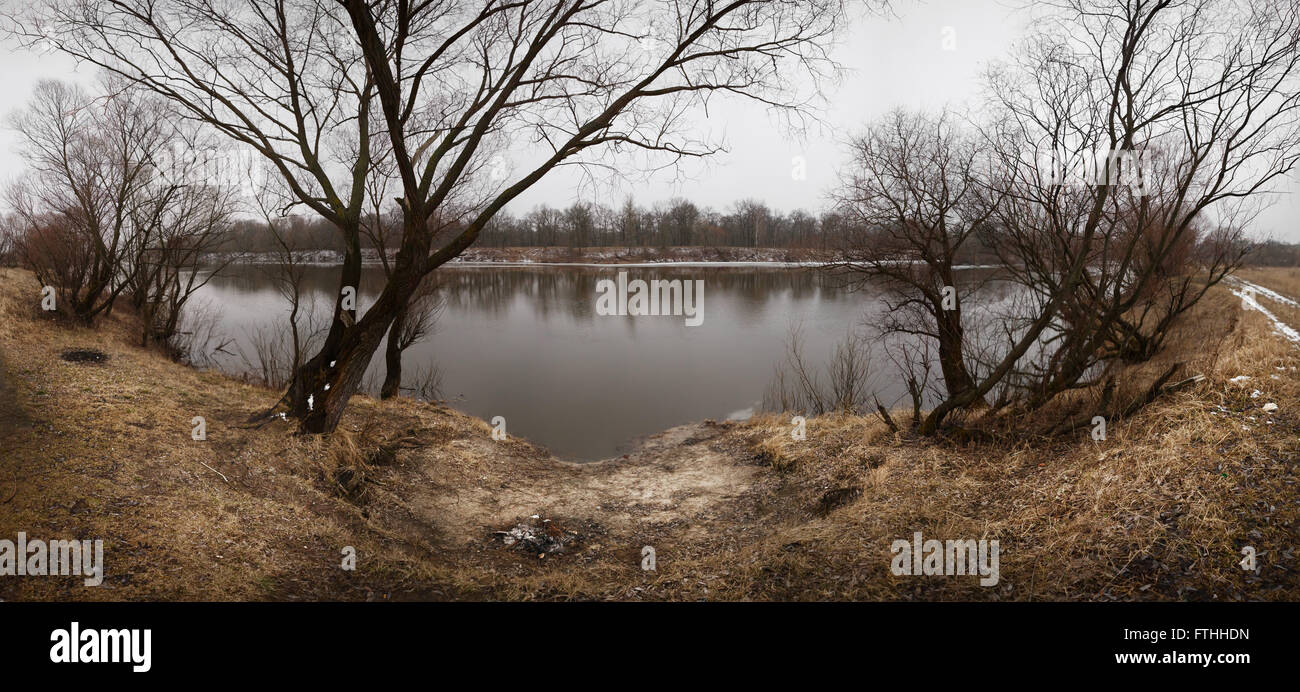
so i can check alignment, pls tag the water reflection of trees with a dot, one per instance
(571, 291)
(877, 365)
(567, 295)
(574, 288)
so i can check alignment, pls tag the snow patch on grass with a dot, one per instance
(1248, 301)
(1266, 292)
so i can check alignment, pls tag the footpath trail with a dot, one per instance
(683, 491)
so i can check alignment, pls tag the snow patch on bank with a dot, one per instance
(1267, 293)
(1248, 301)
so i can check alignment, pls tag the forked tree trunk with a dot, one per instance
(952, 364)
(322, 386)
(393, 356)
(310, 388)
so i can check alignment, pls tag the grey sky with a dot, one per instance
(894, 61)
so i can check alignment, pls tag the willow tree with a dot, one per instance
(439, 90)
(90, 171)
(917, 195)
(1132, 142)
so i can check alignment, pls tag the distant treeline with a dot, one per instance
(678, 223)
(1271, 253)
(581, 225)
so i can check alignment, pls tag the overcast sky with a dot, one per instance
(894, 61)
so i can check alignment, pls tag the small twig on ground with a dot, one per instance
(223, 476)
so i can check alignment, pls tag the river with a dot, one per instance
(527, 343)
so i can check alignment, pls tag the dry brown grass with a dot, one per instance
(105, 451)
(1159, 510)
(1284, 280)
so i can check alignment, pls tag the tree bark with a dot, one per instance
(322, 386)
(952, 364)
(393, 356)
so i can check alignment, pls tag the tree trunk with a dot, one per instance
(322, 386)
(393, 356)
(952, 364)
(316, 381)
(326, 386)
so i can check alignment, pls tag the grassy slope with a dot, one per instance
(1159, 510)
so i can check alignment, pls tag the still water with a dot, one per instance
(527, 343)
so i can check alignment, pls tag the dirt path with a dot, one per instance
(679, 485)
(9, 411)
(13, 421)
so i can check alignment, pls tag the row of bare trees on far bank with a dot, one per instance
(1124, 150)
(581, 225)
(1274, 253)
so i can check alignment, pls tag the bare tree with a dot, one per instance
(1150, 133)
(915, 194)
(275, 361)
(91, 163)
(447, 84)
(382, 227)
(411, 325)
(180, 227)
(797, 386)
(1129, 143)
(9, 229)
(115, 206)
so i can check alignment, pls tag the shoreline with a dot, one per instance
(441, 511)
(555, 256)
(522, 263)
